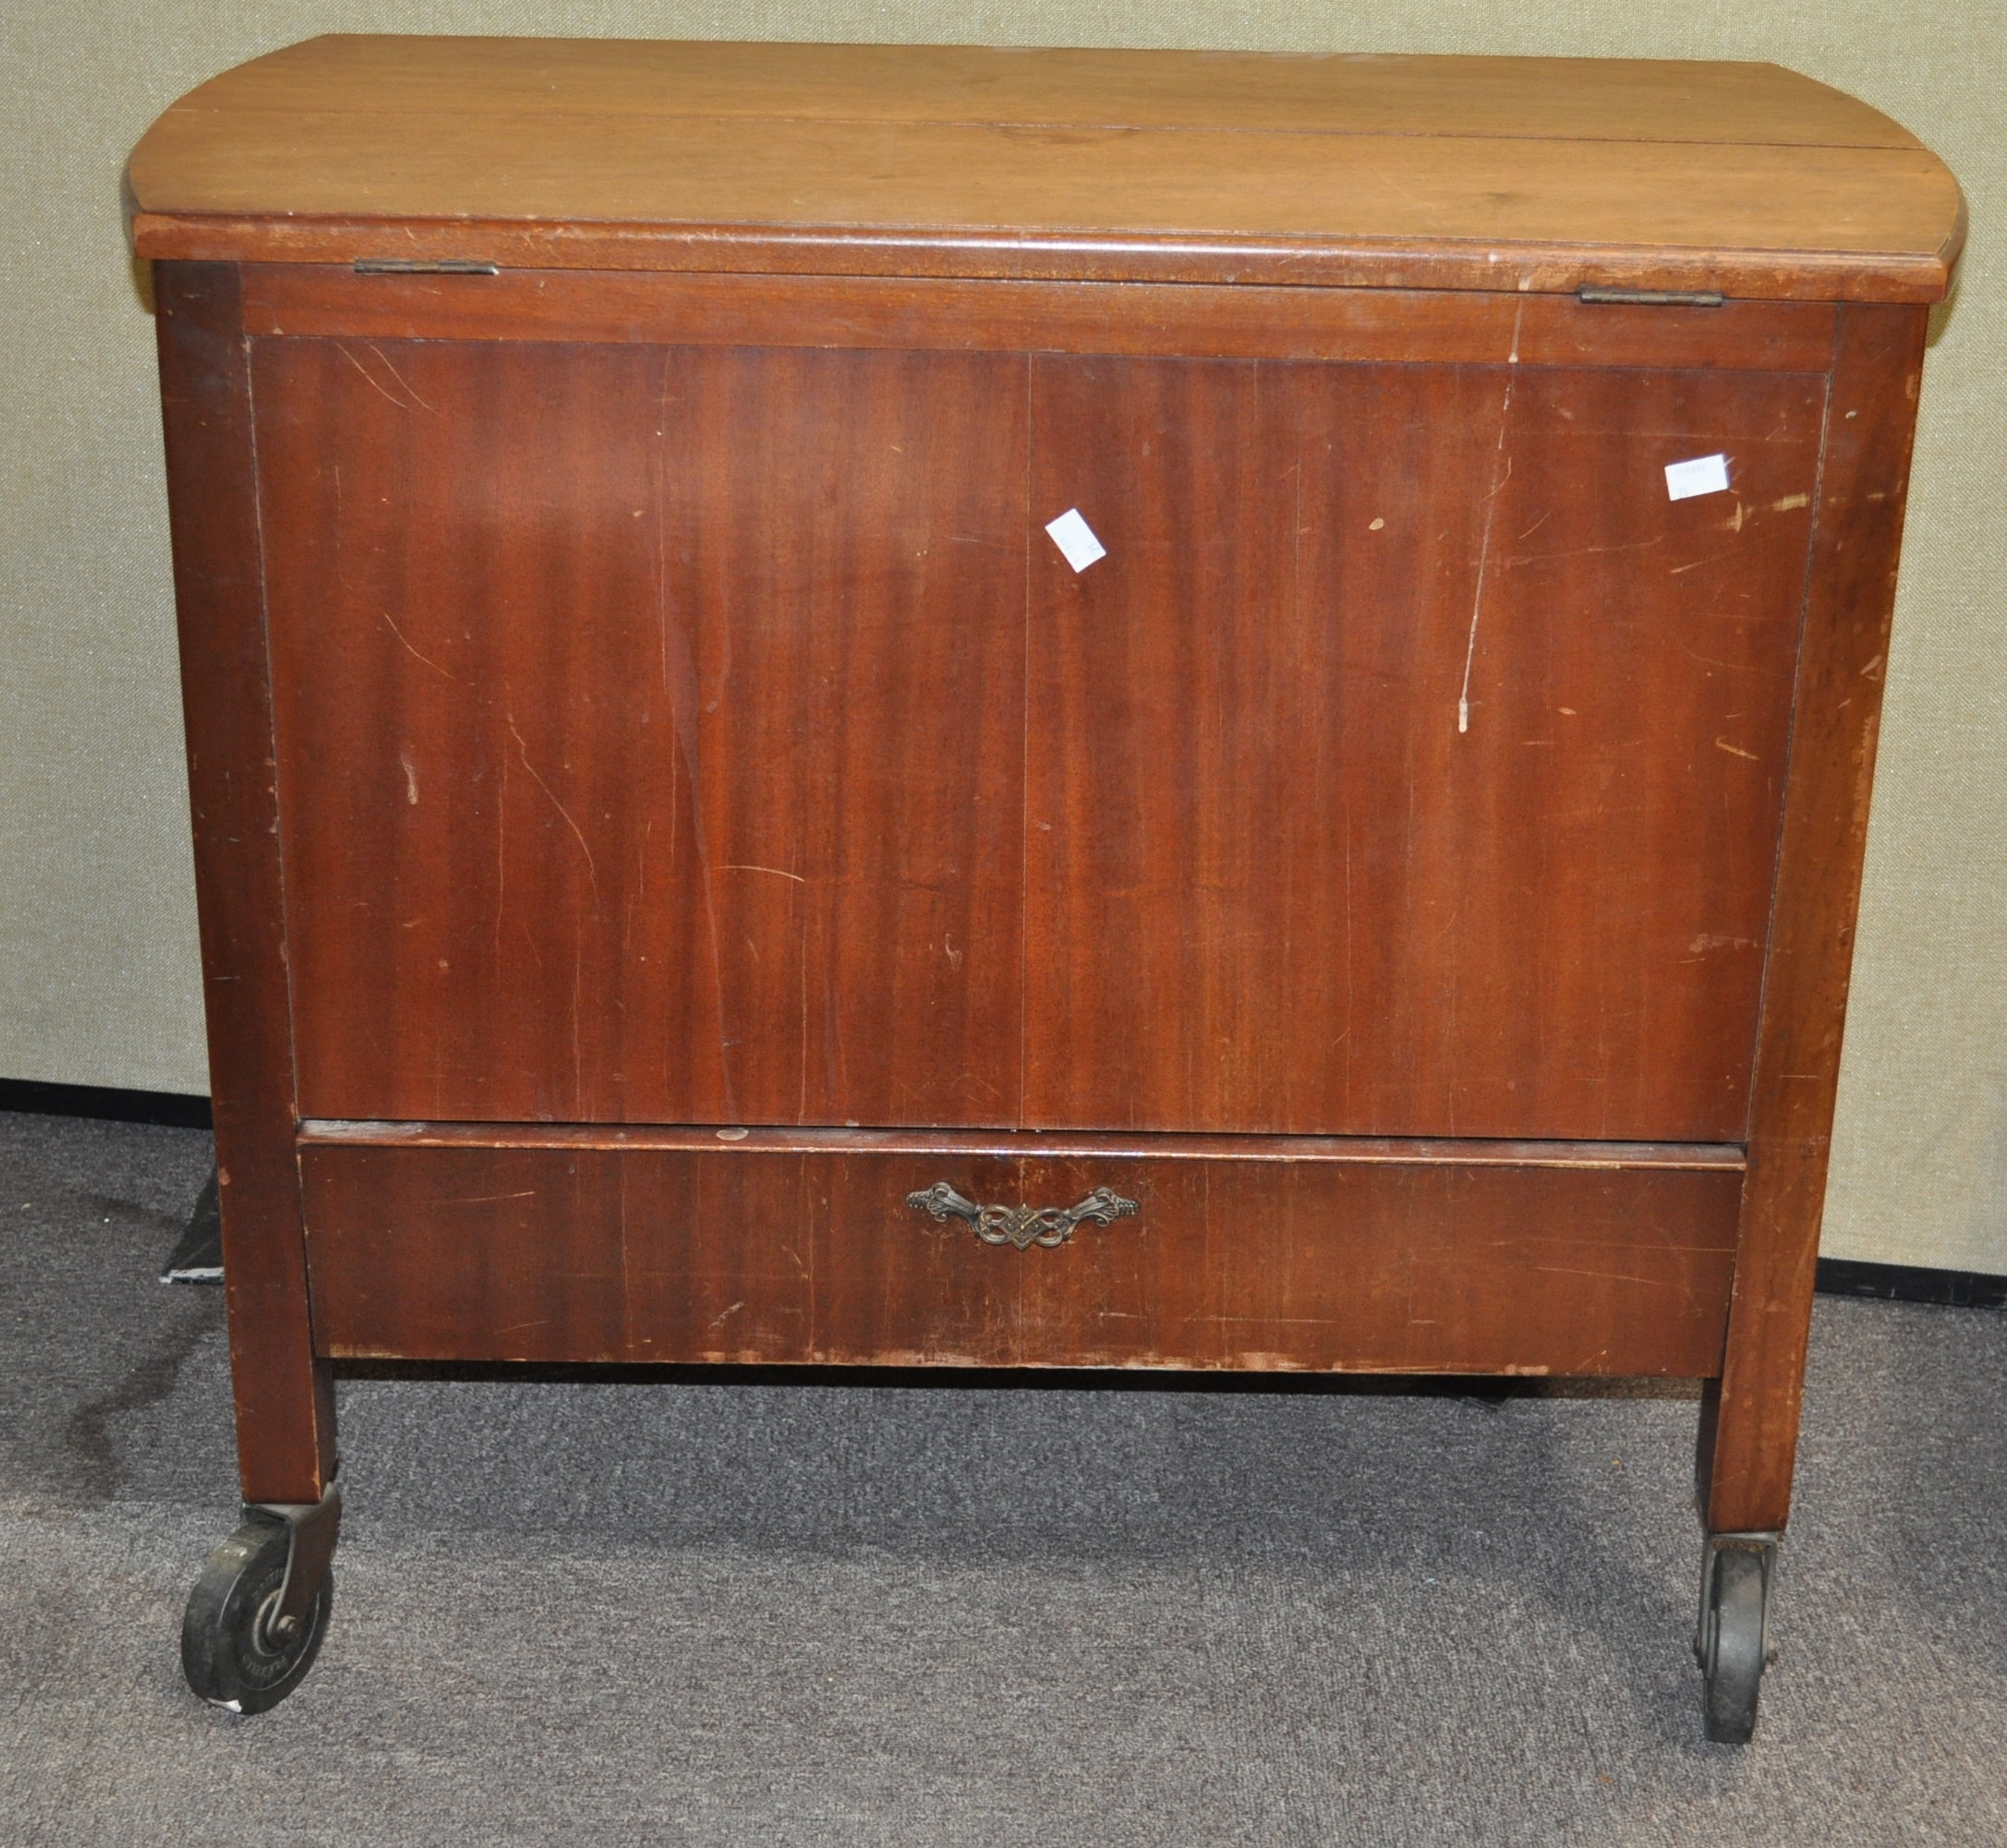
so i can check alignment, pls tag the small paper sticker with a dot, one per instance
(1702, 475)
(1076, 539)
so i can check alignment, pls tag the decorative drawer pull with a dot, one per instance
(1022, 1225)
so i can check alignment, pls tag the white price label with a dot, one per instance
(1076, 539)
(1702, 475)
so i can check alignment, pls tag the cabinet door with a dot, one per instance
(1411, 763)
(650, 728)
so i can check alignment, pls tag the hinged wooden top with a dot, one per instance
(1501, 173)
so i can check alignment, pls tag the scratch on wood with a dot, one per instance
(429, 661)
(395, 374)
(502, 857)
(1712, 558)
(1490, 511)
(592, 871)
(1579, 551)
(367, 379)
(1736, 750)
(680, 683)
(1707, 942)
(1600, 1276)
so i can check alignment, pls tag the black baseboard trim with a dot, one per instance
(1910, 1283)
(113, 1105)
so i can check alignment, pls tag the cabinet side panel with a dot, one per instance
(1411, 763)
(284, 1411)
(1751, 1439)
(651, 728)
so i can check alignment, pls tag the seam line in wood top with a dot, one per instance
(705, 1139)
(1061, 124)
(1055, 240)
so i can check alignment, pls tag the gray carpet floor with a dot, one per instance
(699, 1612)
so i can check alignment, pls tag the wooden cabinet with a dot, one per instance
(692, 871)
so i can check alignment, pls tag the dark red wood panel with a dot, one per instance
(748, 1252)
(284, 1401)
(650, 728)
(1288, 871)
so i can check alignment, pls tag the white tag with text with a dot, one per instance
(1703, 474)
(1076, 539)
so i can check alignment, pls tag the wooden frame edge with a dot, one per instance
(1750, 1422)
(284, 1402)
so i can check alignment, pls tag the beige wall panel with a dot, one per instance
(99, 981)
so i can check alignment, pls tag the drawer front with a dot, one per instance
(789, 1250)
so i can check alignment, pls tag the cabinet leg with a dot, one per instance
(284, 1392)
(1748, 1437)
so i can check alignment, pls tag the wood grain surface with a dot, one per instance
(1267, 885)
(1273, 885)
(740, 1252)
(673, 769)
(1593, 99)
(284, 1402)
(1237, 168)
(1750, 1436)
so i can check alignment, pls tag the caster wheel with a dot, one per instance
(231, 1650)
(1731, 1645)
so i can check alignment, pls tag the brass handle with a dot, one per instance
(1022, 1225)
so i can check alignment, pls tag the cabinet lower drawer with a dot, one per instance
(478, 1243)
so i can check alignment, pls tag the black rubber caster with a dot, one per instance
(233, 1650)
(1731, 1644)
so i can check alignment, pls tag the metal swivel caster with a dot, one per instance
(258, 1611)
(1732, 1642)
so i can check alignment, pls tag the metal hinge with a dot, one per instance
(1651, 297)
(444, 266)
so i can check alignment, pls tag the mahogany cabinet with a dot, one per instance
(693, 869)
